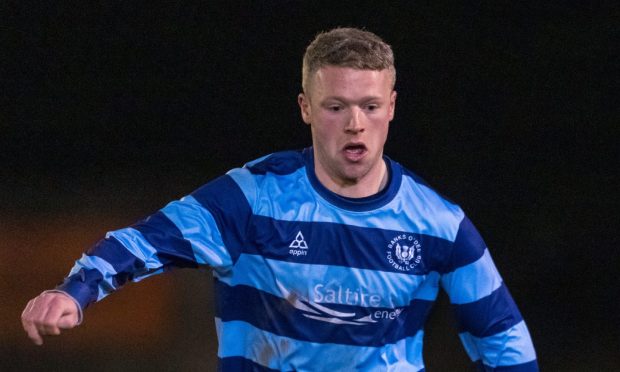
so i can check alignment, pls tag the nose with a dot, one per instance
(355, 123)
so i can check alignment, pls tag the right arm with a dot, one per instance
(185, 233)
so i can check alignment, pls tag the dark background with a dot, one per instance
(112, 109)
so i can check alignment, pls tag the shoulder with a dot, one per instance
(278, 163)
(240, 188)
(414, 181)
(272, 175)
(275, 165)
(443, 218)
(440, 213)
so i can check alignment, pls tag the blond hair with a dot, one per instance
(347, 47)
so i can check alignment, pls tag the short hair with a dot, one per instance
(347, 47)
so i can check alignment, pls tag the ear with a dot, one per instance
(305, 108)
(392, 104)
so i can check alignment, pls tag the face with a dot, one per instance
(349, 112)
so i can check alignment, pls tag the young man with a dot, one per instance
(328, 258)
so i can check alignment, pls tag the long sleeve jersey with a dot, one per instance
(308, 280)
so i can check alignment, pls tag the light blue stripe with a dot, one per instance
(94, 262)
(366, 288)
(472, 282)
(104, 267)
(270, 196)
(511, 347)
(432, 215)
(134, 242)
(240, 339)
(199, 228)
(246, 182)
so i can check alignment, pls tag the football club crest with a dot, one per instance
(404, 252)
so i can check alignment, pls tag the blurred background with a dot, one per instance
(112, 109)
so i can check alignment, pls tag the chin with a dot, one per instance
(353, 176)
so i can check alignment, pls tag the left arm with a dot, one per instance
(491, 327)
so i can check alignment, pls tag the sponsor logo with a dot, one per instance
(404, 252)
(346, 296)
(323, 296)
(298, 246)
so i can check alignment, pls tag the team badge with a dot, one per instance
(404, 252)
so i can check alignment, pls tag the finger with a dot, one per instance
(35, 336)
(47, 314)
(70, 315)
(28, 308)
(26, 319)
(68, 321)
(28, 324)
(42, 308)
(49, 323)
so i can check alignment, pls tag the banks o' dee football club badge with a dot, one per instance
(404, 252)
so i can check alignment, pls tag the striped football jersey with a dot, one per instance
(308, 280)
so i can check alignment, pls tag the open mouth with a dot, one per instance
(354, 151)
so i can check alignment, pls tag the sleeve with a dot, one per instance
(491, 327)
(205, 228)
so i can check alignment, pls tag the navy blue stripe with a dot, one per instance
(281, 163)
(123, 262)
(239, 364)
(468, 246)
(525, 367)
(227, 204)
(490, 315)
(172, 249)
(278, 316)
(83, 286)
(341, 245)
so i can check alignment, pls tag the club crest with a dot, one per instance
(404, 252)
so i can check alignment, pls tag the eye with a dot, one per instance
(335, 108)
(372, 107)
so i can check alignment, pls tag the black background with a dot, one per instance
(508, 108)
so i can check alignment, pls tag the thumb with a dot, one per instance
(68, 321)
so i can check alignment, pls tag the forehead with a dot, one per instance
(344, 81)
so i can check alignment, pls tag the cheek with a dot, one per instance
(326, 126)
(380, 123)
(325, 138)
(320, 131)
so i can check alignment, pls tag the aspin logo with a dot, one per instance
(298, 246)
(404, 252)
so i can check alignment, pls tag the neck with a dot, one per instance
(370, 184)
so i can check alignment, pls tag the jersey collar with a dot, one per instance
(356, 204)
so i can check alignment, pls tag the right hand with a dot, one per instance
(47, 314)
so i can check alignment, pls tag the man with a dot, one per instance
(329, 258)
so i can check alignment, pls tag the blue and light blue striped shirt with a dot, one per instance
(307, 280)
